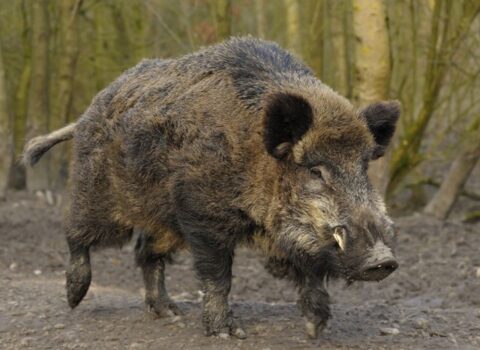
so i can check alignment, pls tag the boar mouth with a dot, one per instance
(379, 264)
(378, 272)
(373, 273)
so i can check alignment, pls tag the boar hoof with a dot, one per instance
(78, 281)
(314, 328)
(240, 333)
(231, 328)
(163, 309)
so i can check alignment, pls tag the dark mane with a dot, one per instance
(252, 64)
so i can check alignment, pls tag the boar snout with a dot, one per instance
(380, 263)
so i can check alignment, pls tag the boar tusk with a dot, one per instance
(339, 240)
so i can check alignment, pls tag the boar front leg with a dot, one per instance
(315, 305)
(213, 263)
(313, 298)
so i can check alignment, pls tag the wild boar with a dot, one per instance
(238, 143)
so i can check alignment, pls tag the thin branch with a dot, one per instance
(174, 36)
(432, 182)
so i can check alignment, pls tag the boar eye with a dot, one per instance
(319, 173)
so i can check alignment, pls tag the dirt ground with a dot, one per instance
(431, 302)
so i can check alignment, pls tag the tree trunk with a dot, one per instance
(313, 53)
(372, 61)
(62, 103)
(67, 61)
(223, 18)
(5, 134)
(292, 14)
(142, 31)
(123, 49)
(37, 104)
(104, 47)
(260, 13)
(327, 45)
(349, 47)
(338, 38)
(17, 178)
(458, 174)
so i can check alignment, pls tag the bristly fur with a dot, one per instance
(38, 146)
(217, 148)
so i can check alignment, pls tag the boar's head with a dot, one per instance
(325, 209)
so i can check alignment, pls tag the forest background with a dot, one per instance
(55, 56)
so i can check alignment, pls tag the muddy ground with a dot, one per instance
(431, 302)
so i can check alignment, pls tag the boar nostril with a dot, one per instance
(379, 270)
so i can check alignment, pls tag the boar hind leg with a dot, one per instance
(313, 298)
(152, 264)
(79, 272)
(80, 238)
(213, 263)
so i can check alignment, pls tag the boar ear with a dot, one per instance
(381, 119)
(287, 119)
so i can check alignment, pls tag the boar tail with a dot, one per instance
(38, 146)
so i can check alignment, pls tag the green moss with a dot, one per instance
(473, 216)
